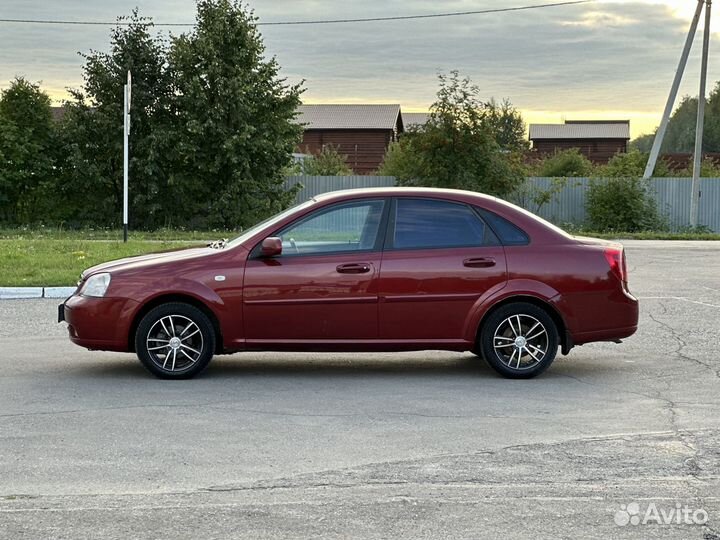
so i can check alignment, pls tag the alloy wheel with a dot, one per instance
(521, 342)
(175, 343)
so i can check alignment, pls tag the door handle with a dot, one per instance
(354, 268)
(480, 262)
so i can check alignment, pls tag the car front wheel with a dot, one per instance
(519, 340)
(175, 341)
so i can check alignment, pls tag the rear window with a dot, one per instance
(509, 234)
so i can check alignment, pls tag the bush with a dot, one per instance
(566, 163)
(708, 169)
(622, 205)
(328, 162)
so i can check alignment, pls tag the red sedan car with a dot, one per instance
(394, 269)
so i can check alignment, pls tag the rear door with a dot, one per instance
(439, 259)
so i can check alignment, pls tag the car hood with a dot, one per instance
(143, 261)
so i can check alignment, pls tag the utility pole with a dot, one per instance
(660, 135)
(697, 164)
(126, 134)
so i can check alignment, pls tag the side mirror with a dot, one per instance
(271, 247)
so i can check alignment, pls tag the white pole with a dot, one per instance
(126, 134)
(660, 135)
(699, 128)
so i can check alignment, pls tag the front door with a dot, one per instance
(439, 259)
(323, 287)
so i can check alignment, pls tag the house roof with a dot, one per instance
(348, 116)
(414, 119)
(581, 130)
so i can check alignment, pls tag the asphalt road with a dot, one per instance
(421, 445)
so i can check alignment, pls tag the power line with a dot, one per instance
(330, 21)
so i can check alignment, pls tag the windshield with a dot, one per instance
(267, 222)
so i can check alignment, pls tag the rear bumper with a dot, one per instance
(98, 323)
(600, 317)
(612, 334)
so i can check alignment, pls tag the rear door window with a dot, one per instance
(431, 223)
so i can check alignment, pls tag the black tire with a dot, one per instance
(519, 340)
(164, 351)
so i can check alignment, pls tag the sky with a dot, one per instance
(609, 59)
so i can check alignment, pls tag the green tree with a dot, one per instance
(680, 135)
(233, 130)
(93, 131)
(643, 143)
(456, 148)
(400, 160)
(631, 165)
(26, 152)
(566, 163)
(328, 162)
(506, 124)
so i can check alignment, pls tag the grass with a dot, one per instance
(48, 262)
(169, 235)
(47, 257)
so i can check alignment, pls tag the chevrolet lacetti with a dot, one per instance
(389, 269)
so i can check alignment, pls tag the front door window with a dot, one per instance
(351, 227)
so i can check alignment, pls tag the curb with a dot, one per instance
(17, 293)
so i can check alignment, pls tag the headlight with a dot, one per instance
(96, 285)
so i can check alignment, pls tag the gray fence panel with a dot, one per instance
(709, 213)
(568, 206)
(672, 195)
(315, 185)
(673, 198)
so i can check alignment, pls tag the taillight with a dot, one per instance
(615, 257)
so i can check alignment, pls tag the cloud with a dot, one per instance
(611, 55)
(600, 19)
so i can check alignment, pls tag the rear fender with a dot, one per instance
(516, 287)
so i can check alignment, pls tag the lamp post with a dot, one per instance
(126, 135)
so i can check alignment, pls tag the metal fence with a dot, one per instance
(315, 185)
(671, 194)
(568, 206)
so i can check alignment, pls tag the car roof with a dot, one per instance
(541, 230)
(403, 192)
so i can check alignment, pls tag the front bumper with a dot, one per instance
(99, 323)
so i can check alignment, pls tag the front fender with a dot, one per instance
(188, 287)
(178, 288)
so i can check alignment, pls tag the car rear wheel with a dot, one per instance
(175, 341)
(519, 340)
